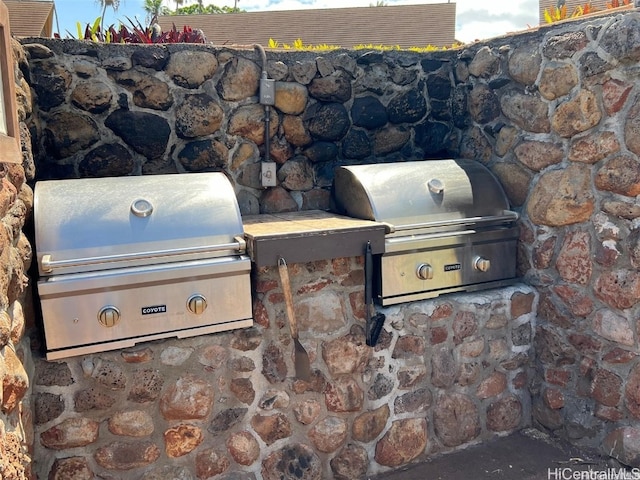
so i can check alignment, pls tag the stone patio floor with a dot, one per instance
(525, 455)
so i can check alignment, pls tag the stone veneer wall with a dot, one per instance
(557, 118)
(16, 366)
(553, 112)
(445, 374)
(108, 110)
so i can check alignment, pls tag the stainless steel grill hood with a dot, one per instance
(128, 259)
(449, 227)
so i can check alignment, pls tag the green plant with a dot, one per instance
(298, 44)
(115, 4)
(198, 9)
(91, 32)
(186, 35)
(137, 33)
(617, 3)
(155, 8)
(386, 48)
(556, 14)
(584, 10)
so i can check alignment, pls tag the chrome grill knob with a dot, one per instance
(424, 271)
(197, 304)
(482, 264)
(108, 316)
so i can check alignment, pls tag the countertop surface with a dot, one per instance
(308, 222)
(309, 236)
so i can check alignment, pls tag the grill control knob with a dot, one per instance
(482, 264)
(424, 271)
(197, 304)
(108, 316)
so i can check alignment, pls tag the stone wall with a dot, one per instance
(108, 110)
(552, 112)
(556, 116)
(445, 374)
(16, 307)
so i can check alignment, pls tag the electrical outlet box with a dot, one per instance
(267, 91)
(268, 174)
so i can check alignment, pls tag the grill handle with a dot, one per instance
(507, 217)
(47, 263)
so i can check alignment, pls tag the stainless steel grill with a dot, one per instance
(449, 227)
(131, 259)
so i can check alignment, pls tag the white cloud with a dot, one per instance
(482, 19)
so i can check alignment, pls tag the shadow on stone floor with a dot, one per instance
(525, 455)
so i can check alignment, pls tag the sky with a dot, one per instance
(475, 19)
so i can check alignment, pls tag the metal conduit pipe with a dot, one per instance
(267, 98)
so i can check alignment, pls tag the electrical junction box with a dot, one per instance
(267, 91)
(268, 174)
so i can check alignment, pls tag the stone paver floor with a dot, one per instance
(525, 455)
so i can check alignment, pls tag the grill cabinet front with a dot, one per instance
(123, 260)
(449, 227)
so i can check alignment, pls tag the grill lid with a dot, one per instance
(422, 194)
(101, 223)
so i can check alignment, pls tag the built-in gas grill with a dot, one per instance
(449, 227)
(130, 259)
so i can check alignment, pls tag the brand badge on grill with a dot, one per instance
(154, 309)
(453, 267)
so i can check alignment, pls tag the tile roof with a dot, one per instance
(30, 18)
(405, 25)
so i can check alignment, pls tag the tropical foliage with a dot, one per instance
(558, 13)
(616, 3)
(198, 9)
(298, 44)
(154, 8)
(115, 4)
(137, 33)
